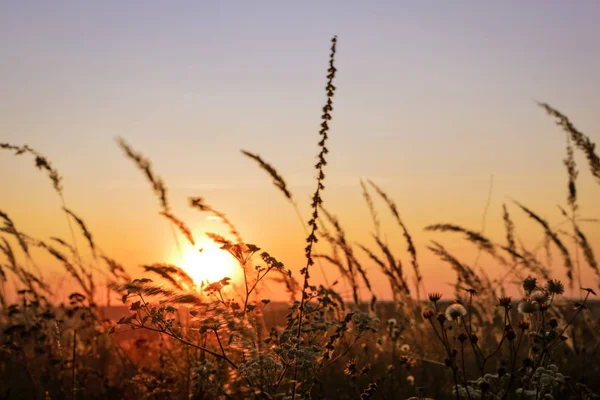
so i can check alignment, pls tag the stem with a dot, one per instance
(167, 331)
(343, 353)
(392, 371)
(73, 363)
(316, 199)
(475, 347)
(301, 219)
(220, 345)
(462, 356)
(281, 377)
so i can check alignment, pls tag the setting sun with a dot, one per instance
(210, 264)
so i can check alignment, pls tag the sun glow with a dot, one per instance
(211, 264)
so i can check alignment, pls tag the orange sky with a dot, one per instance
(431, 102)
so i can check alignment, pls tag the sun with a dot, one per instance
(208, 265)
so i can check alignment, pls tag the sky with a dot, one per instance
(436, 103)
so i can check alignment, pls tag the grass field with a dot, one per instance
(172, 338)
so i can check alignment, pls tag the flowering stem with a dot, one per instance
(316, 200)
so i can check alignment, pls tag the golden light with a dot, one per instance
(209, 265)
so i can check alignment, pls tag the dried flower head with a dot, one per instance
(455, 311)
(505, 302)
(555, 286)
(351, 369)
(435, 297)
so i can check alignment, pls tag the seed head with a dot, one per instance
(455, 311)
(527, 307)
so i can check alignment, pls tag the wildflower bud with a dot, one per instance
(553, 323)
(529, 284)
(511, 335)
(474, 338)
(428, 313)
(441, 318)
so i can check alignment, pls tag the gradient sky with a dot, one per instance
(433, 98)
